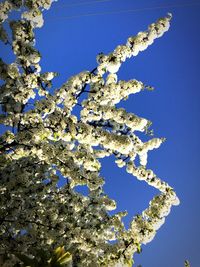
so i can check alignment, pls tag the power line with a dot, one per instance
(125, 11)
(83, 3)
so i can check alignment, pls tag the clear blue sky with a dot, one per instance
(69, 44)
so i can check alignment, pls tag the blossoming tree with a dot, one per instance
(42, 224)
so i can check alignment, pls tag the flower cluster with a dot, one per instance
(134, 45)
(48, 141)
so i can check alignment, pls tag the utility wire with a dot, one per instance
(83, 3)
(125, 11)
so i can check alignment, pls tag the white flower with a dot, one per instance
(113, 67)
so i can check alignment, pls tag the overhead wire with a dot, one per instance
(126, 10)
(82, 3)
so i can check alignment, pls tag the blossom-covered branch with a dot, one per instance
(48, 141)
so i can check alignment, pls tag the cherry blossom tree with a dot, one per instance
(43, 224)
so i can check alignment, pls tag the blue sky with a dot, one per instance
(69, 43)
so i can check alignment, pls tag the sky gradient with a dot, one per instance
(69, 42)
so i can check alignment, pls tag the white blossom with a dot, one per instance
(49, 141)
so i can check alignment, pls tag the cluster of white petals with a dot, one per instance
(134, 45)
(48, 142)
(5, 7)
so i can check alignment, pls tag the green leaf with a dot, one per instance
(67, 257)
(139, 249)
(186, 263)
(129, 262)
